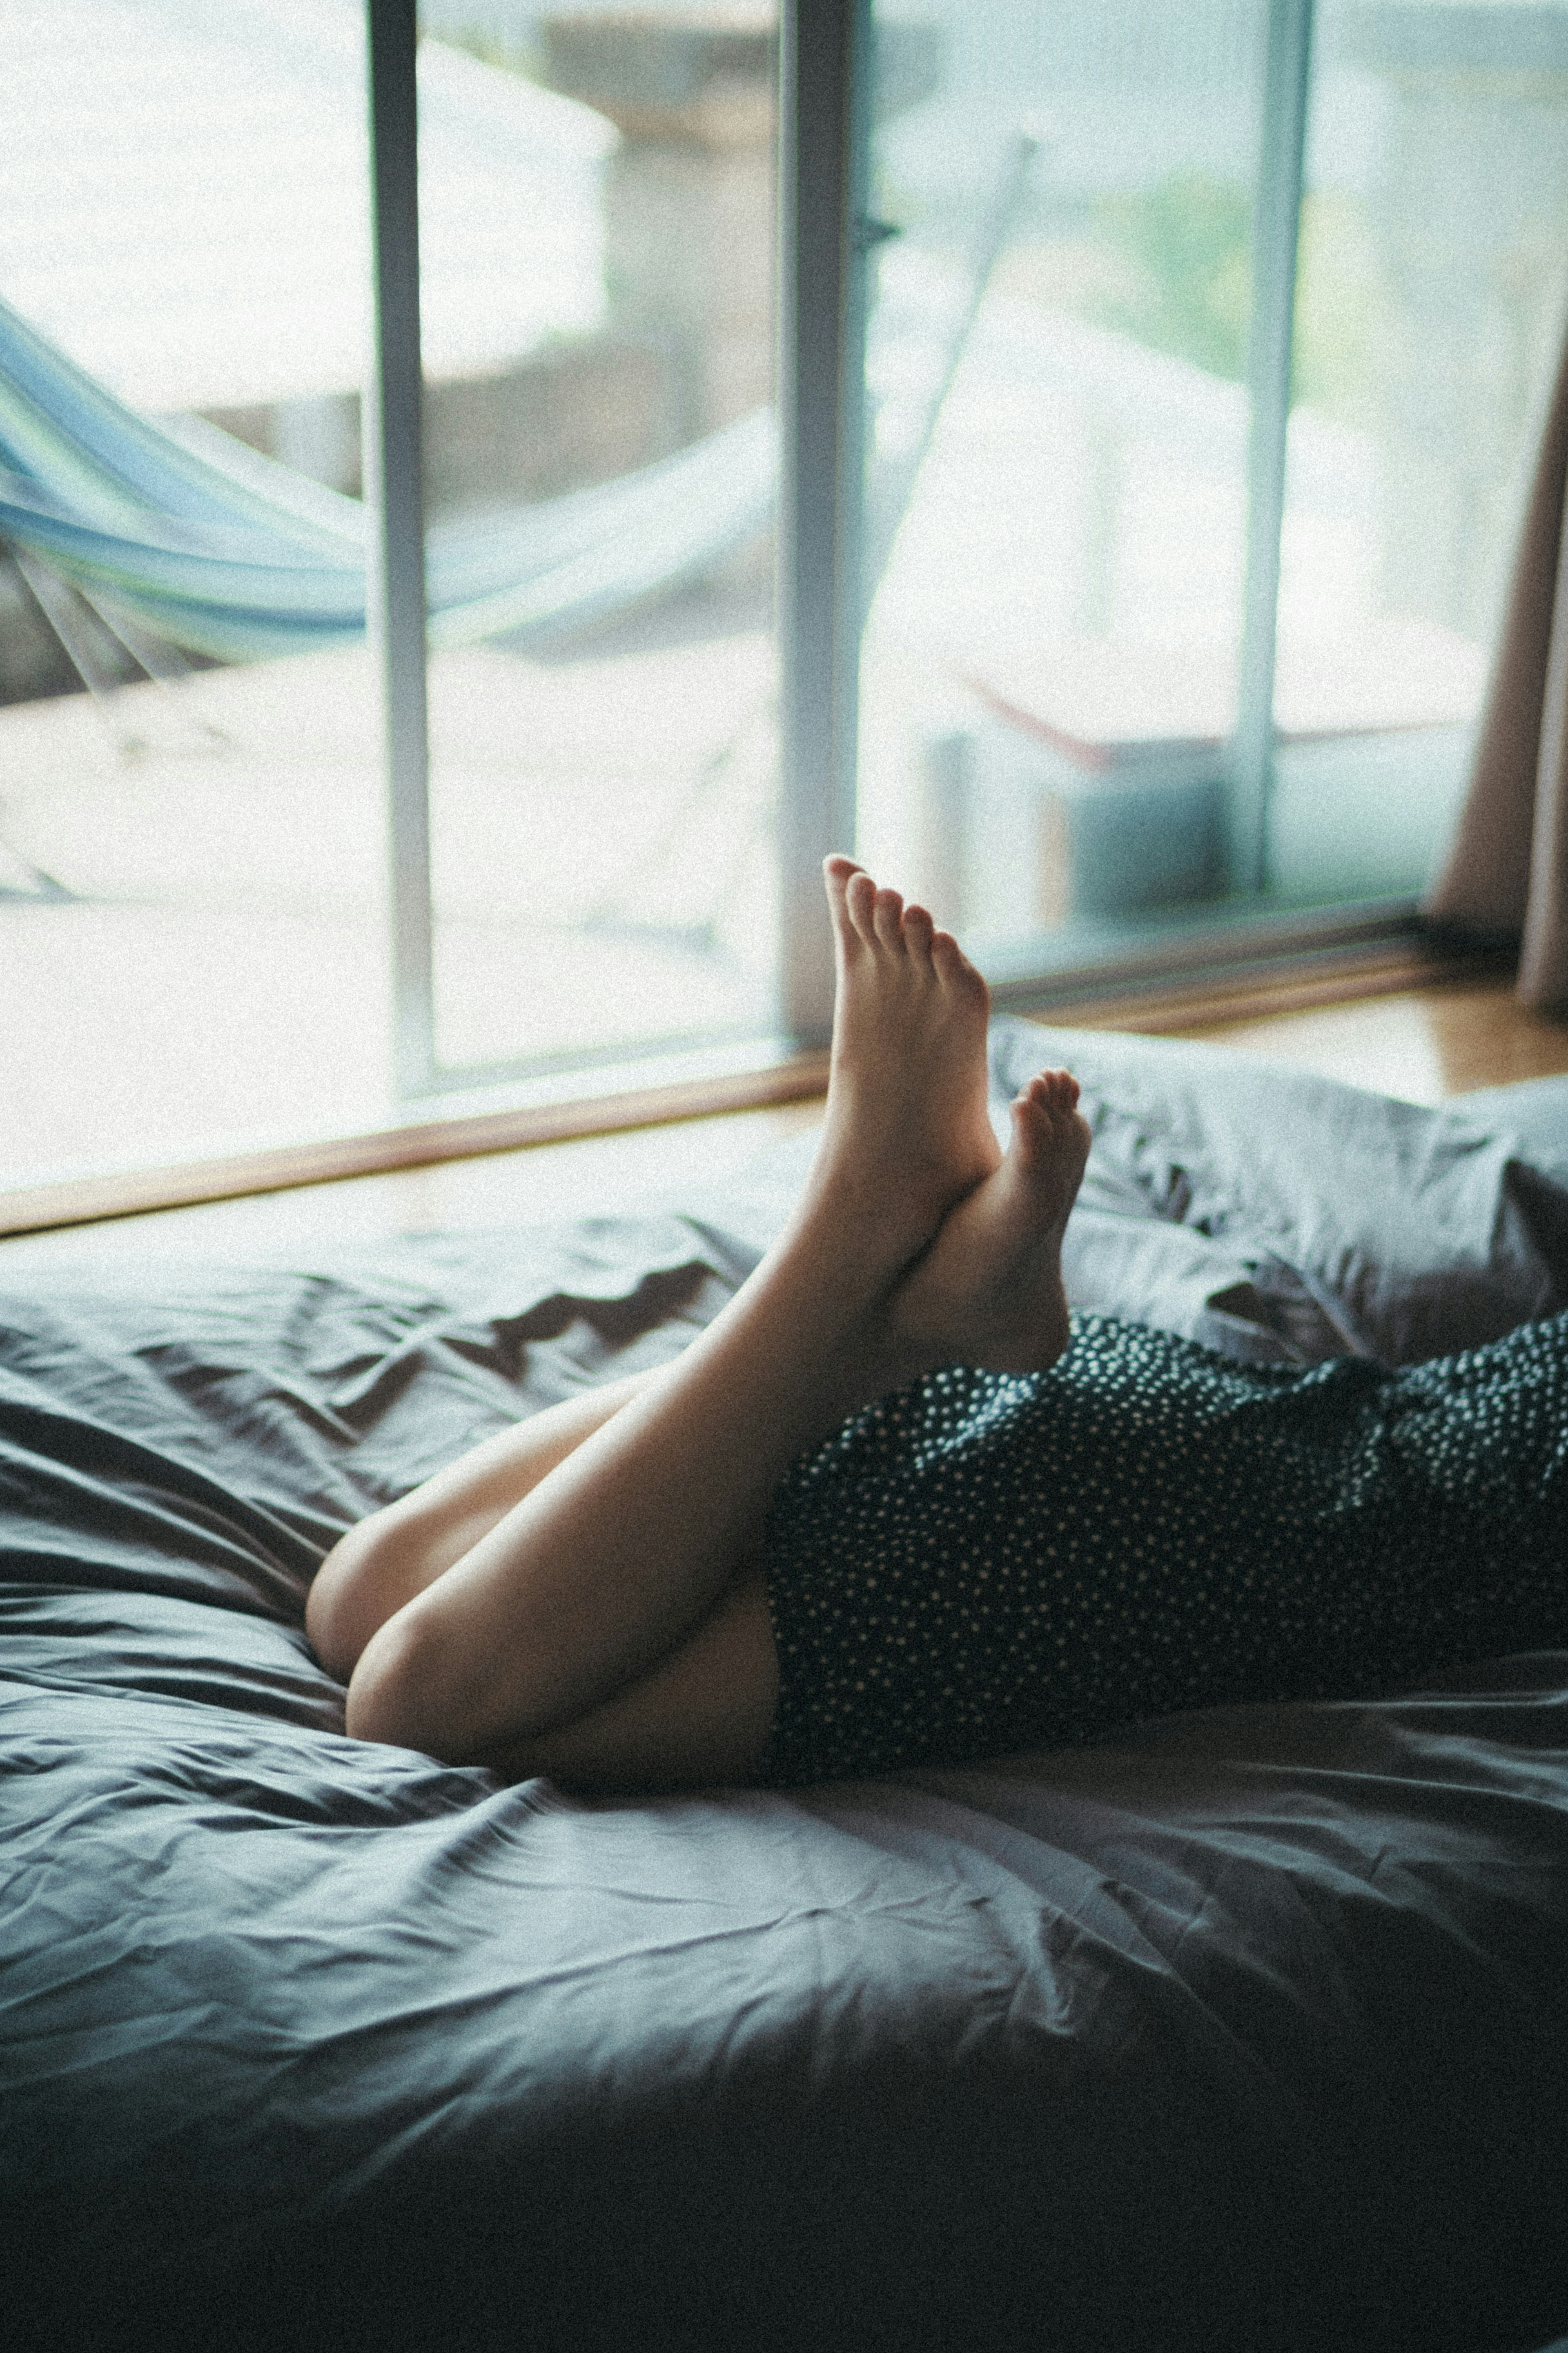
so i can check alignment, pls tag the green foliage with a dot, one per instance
(1343, 305)
(1185, 281)
(1177, 276)
(492, 49)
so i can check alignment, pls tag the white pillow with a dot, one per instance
(1289, 1218)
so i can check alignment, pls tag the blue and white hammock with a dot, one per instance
(217, 550)
(186, 533)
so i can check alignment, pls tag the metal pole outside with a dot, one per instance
(825, 100)
(394, 500)
(1276, 230)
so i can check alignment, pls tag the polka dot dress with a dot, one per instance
(984, 1562)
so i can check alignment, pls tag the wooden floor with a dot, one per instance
(1424, 1044)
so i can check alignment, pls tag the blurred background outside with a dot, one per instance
(192, 918)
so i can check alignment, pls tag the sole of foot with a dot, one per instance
(988, 1291)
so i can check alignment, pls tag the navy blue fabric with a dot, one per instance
(1249, 2031)
(987, 1562)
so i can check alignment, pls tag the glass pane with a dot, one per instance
(192, 919)
(596, 249)
(1434, 261)
(1057, 549)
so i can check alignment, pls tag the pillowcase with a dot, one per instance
(1287, 1217)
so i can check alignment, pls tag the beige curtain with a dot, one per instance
(1508, 870)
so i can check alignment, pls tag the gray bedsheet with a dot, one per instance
(1250, 2032)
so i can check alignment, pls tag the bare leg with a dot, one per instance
(987, 1292)
(701, 1716)
(623, 1550)
(696, 1718)
(384, 1560)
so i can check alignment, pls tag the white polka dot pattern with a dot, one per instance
(984, 1563)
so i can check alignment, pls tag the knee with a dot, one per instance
(359, 1586)
(422, 1682)
(394, 1688)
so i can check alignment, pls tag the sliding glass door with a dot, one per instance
(1429, 308)
(599, 466)
(193, 902)
(1068, 451)
(1205, 366)
(1060, 452)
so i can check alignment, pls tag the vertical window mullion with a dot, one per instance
(396, 512)
(1275, 234)
(824, 150)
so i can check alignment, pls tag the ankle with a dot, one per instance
(863, 1232)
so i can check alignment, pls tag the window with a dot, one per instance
(601, 359)
(1052, 674)
(1155, 391)
(1429, 308)
(1185, 623)
(193, 921)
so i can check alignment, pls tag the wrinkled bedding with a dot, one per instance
(1248, 2032)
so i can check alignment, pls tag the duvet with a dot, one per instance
(1249, 2031)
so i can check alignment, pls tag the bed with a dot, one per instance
(1247, 2031)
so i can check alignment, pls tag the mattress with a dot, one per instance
(1247, 2032)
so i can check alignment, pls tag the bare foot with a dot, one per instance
(988, 1292)
(907, 1132)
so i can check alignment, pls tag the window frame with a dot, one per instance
(824, 238)
(824, 113)
(1164, 951)
(824, 148)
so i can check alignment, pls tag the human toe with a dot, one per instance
(860, 903)
(919, 932)
(1054, 1091)
(887, 912)
(954, 966)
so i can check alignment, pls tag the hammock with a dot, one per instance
(213, 548)
(182, 530)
